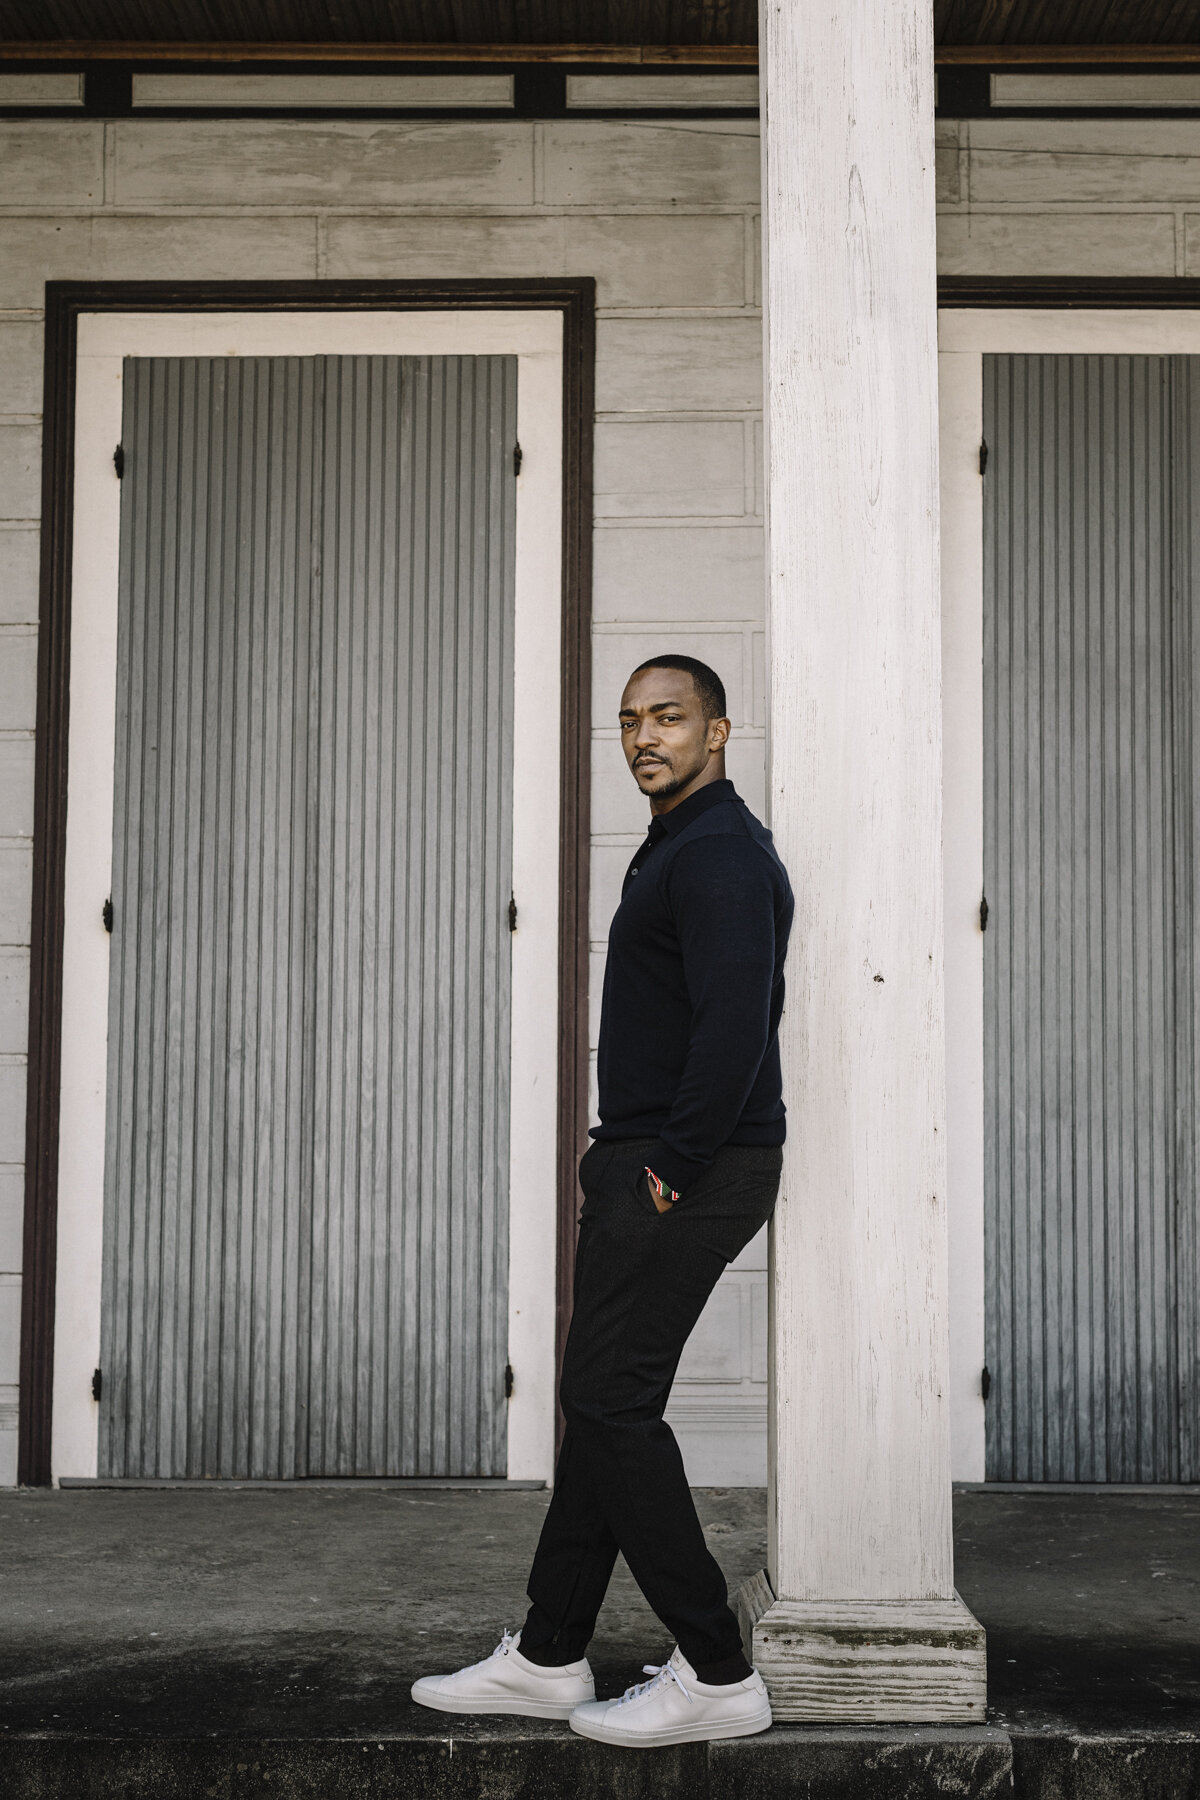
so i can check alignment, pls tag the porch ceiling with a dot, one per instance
(448, 22)
(471, 24)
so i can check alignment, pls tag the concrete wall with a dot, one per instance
(664, 215)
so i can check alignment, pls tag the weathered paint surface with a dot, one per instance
(861, 1445)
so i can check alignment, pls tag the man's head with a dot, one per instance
(673, 728)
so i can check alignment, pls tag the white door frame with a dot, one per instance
(535, 337)
(965, 336)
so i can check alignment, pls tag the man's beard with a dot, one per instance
(672, 787)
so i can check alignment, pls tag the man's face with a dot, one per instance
(665, 736)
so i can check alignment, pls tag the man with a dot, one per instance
(683, 1171)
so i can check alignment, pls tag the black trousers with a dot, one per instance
(641, 1281)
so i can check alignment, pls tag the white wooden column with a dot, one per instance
(865, 1622)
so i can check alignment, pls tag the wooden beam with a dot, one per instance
(76, 50)
(712, 56)
(998, 56)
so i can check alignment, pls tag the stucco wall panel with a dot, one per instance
(290, 162)
(946, 164)
(116, 248)
(461, 246)
(1191, 243)
(633, 163)
(664, 573)
(1056, 243)
(14, 998)
(20, 474)
(18, 678)
(20, 552)
(618, 810)
(20, 366)
(16, 787)
(609, 863)
(16, 885)
(679, 364)
(12, 1110)
(682, 468)
(12, 1206)
(746, 761)
(1108, 162)
(660, 259)
(51, 163)
(10, 1329)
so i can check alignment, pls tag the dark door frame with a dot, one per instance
(65, 301)
(1080, 293)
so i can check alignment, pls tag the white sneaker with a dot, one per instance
(507, 1682)
(676, 1708)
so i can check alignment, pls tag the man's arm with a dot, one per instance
(723, 898)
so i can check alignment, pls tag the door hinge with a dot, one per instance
(983, 456)
(119, 461)
(97, 1384)
(106, 913)
(508, 1381)
(983, 913)
(512, 914)
(518, 458)
(985, 1382)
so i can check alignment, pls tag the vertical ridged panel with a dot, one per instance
(306, 1161)
(1089, 816)
(1185, 644)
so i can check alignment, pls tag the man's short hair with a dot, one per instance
(709, 686)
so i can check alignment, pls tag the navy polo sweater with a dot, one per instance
(693, 988)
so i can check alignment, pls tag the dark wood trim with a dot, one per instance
(45, 966)
(65, 301)
(1081, 291)
(1002, 56)
(575, 831)
(707, 56)
(713, 56)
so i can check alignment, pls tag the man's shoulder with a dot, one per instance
(728, 831)
(730, 818)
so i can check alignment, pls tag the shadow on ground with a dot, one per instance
(306, 1612)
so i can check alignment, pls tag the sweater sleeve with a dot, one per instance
(723, 899)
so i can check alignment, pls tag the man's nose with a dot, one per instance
(646, 734)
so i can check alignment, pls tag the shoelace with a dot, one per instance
(505, 1645)
(657, 1671)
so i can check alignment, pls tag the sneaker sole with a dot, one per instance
(683, 1734)
(526, 1709)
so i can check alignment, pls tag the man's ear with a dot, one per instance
(718, 733)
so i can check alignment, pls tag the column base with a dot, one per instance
(874, 1661)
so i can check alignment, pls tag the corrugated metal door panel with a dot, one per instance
(306, 1220)
(1185, 1110)
(1088, 850)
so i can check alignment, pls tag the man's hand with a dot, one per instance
(663, 1197)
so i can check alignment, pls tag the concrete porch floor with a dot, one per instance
(246, 1641)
